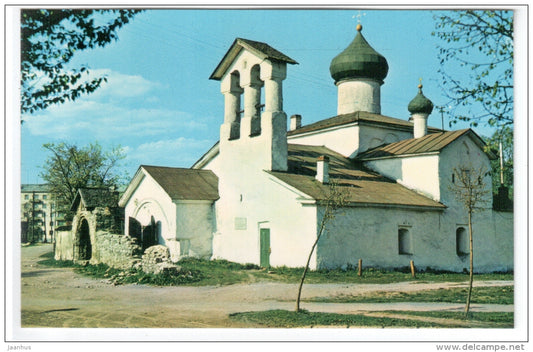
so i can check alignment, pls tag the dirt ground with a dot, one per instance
(57, 297)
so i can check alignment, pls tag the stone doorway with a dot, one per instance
(84, 241)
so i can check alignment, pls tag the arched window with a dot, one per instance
(257, 103)
(461, 242)
(235, 105)
(404, 242)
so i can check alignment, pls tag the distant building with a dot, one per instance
(39, 214)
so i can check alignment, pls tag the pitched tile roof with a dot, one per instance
(361, 185)
(433, 142)
(95, 197)
(260, 49)
(185, 184)
(358, 116)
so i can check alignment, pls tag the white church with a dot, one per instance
(257, 196)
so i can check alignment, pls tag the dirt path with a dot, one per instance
(57, 297)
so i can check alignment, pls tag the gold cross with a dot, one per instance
(358, 16)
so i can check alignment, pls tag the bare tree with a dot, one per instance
(469, 187)
(335, 200)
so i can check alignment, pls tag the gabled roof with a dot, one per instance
(430, 143)
(359, 117)
(178, 183)
(262, 50)
(362, 186)
(185, 184)
(95, 197)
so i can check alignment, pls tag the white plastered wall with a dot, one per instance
(493, 231)
(350, 140)
(261, 201)
(148, 200)
(342, 139)
(419, 172)
(195, 224)
(371, 234)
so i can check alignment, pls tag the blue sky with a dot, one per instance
(161, 107)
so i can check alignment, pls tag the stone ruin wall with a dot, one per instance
(115, 250)
(109, 246)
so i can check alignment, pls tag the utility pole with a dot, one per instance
(441, 110)
(32, 215)
(501, 162)
(44, 221)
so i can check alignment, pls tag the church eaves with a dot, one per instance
(260, 49)
(356, 117)
(431, 143)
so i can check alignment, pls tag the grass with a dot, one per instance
(480, 295)
(376, 276)
(221, 272)
(489, 317)
(291, 319)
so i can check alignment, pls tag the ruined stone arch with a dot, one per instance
(83, 239)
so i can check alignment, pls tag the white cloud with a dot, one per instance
(112, 112)
(179, 152)
(122, 86)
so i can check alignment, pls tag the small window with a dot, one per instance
(45, 197)
(461, 242)
(404, 242)
(44, 205)
(36, 196)
(26, 196)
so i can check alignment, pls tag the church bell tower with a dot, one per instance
(254, 130)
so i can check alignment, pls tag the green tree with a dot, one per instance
(471, 191)
(69, 168)
(49, 40)
(335, 200)
(476, 60)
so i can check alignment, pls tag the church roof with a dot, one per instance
(361, 185)
(95, 197)
(430, 143)
(359, 117)
(185, 184)
(260, 49)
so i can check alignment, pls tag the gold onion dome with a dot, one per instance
(359, 60)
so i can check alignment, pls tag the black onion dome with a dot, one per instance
(420, 104)
(359, 60)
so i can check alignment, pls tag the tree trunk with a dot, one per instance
(471, 279)
(322, 224)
